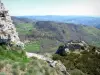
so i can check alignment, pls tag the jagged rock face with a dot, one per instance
(8, 32)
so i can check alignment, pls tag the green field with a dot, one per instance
(24, 28)
(33, 46)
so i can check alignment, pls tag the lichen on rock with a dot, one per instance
(8, 34)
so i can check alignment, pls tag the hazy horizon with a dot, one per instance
(53, 7)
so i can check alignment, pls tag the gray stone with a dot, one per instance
(8, 32)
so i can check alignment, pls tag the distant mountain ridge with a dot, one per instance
(56, 31)
(80, 20)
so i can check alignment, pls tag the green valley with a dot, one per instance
(51, 34)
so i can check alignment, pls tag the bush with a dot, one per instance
(56, 57)
(77, 72)
(87, 62)
(2, 73)
(2, 64)
(22, 66)
(16, 72)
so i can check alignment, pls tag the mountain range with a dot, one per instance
(50, 34)
(79, 20)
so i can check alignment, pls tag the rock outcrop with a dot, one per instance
(51, 62)
(72, 46)
(8, 32)
(77, 45)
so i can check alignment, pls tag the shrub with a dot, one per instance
(2, 64)
(23, 66)
(77, 72)
(87, 62)
(16, 72)
(56, 57)
(2, 73)
(15, 66)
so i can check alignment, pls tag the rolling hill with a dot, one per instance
(48, 35)
(79, 20)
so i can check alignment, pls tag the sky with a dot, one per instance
(53, 7)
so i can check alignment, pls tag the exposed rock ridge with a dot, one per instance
(8, 32)
(51, 62)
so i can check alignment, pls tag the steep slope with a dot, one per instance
(65, 32)
(16, 62)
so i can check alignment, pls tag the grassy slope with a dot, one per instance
(36, 45)
(71, 32)
(24, 28)
(93, 34)
(33, 46)
(15, 62)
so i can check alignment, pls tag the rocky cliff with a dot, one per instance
(8, 35)
(8, 32)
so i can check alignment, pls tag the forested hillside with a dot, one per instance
(79, 20)
(47, 35)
